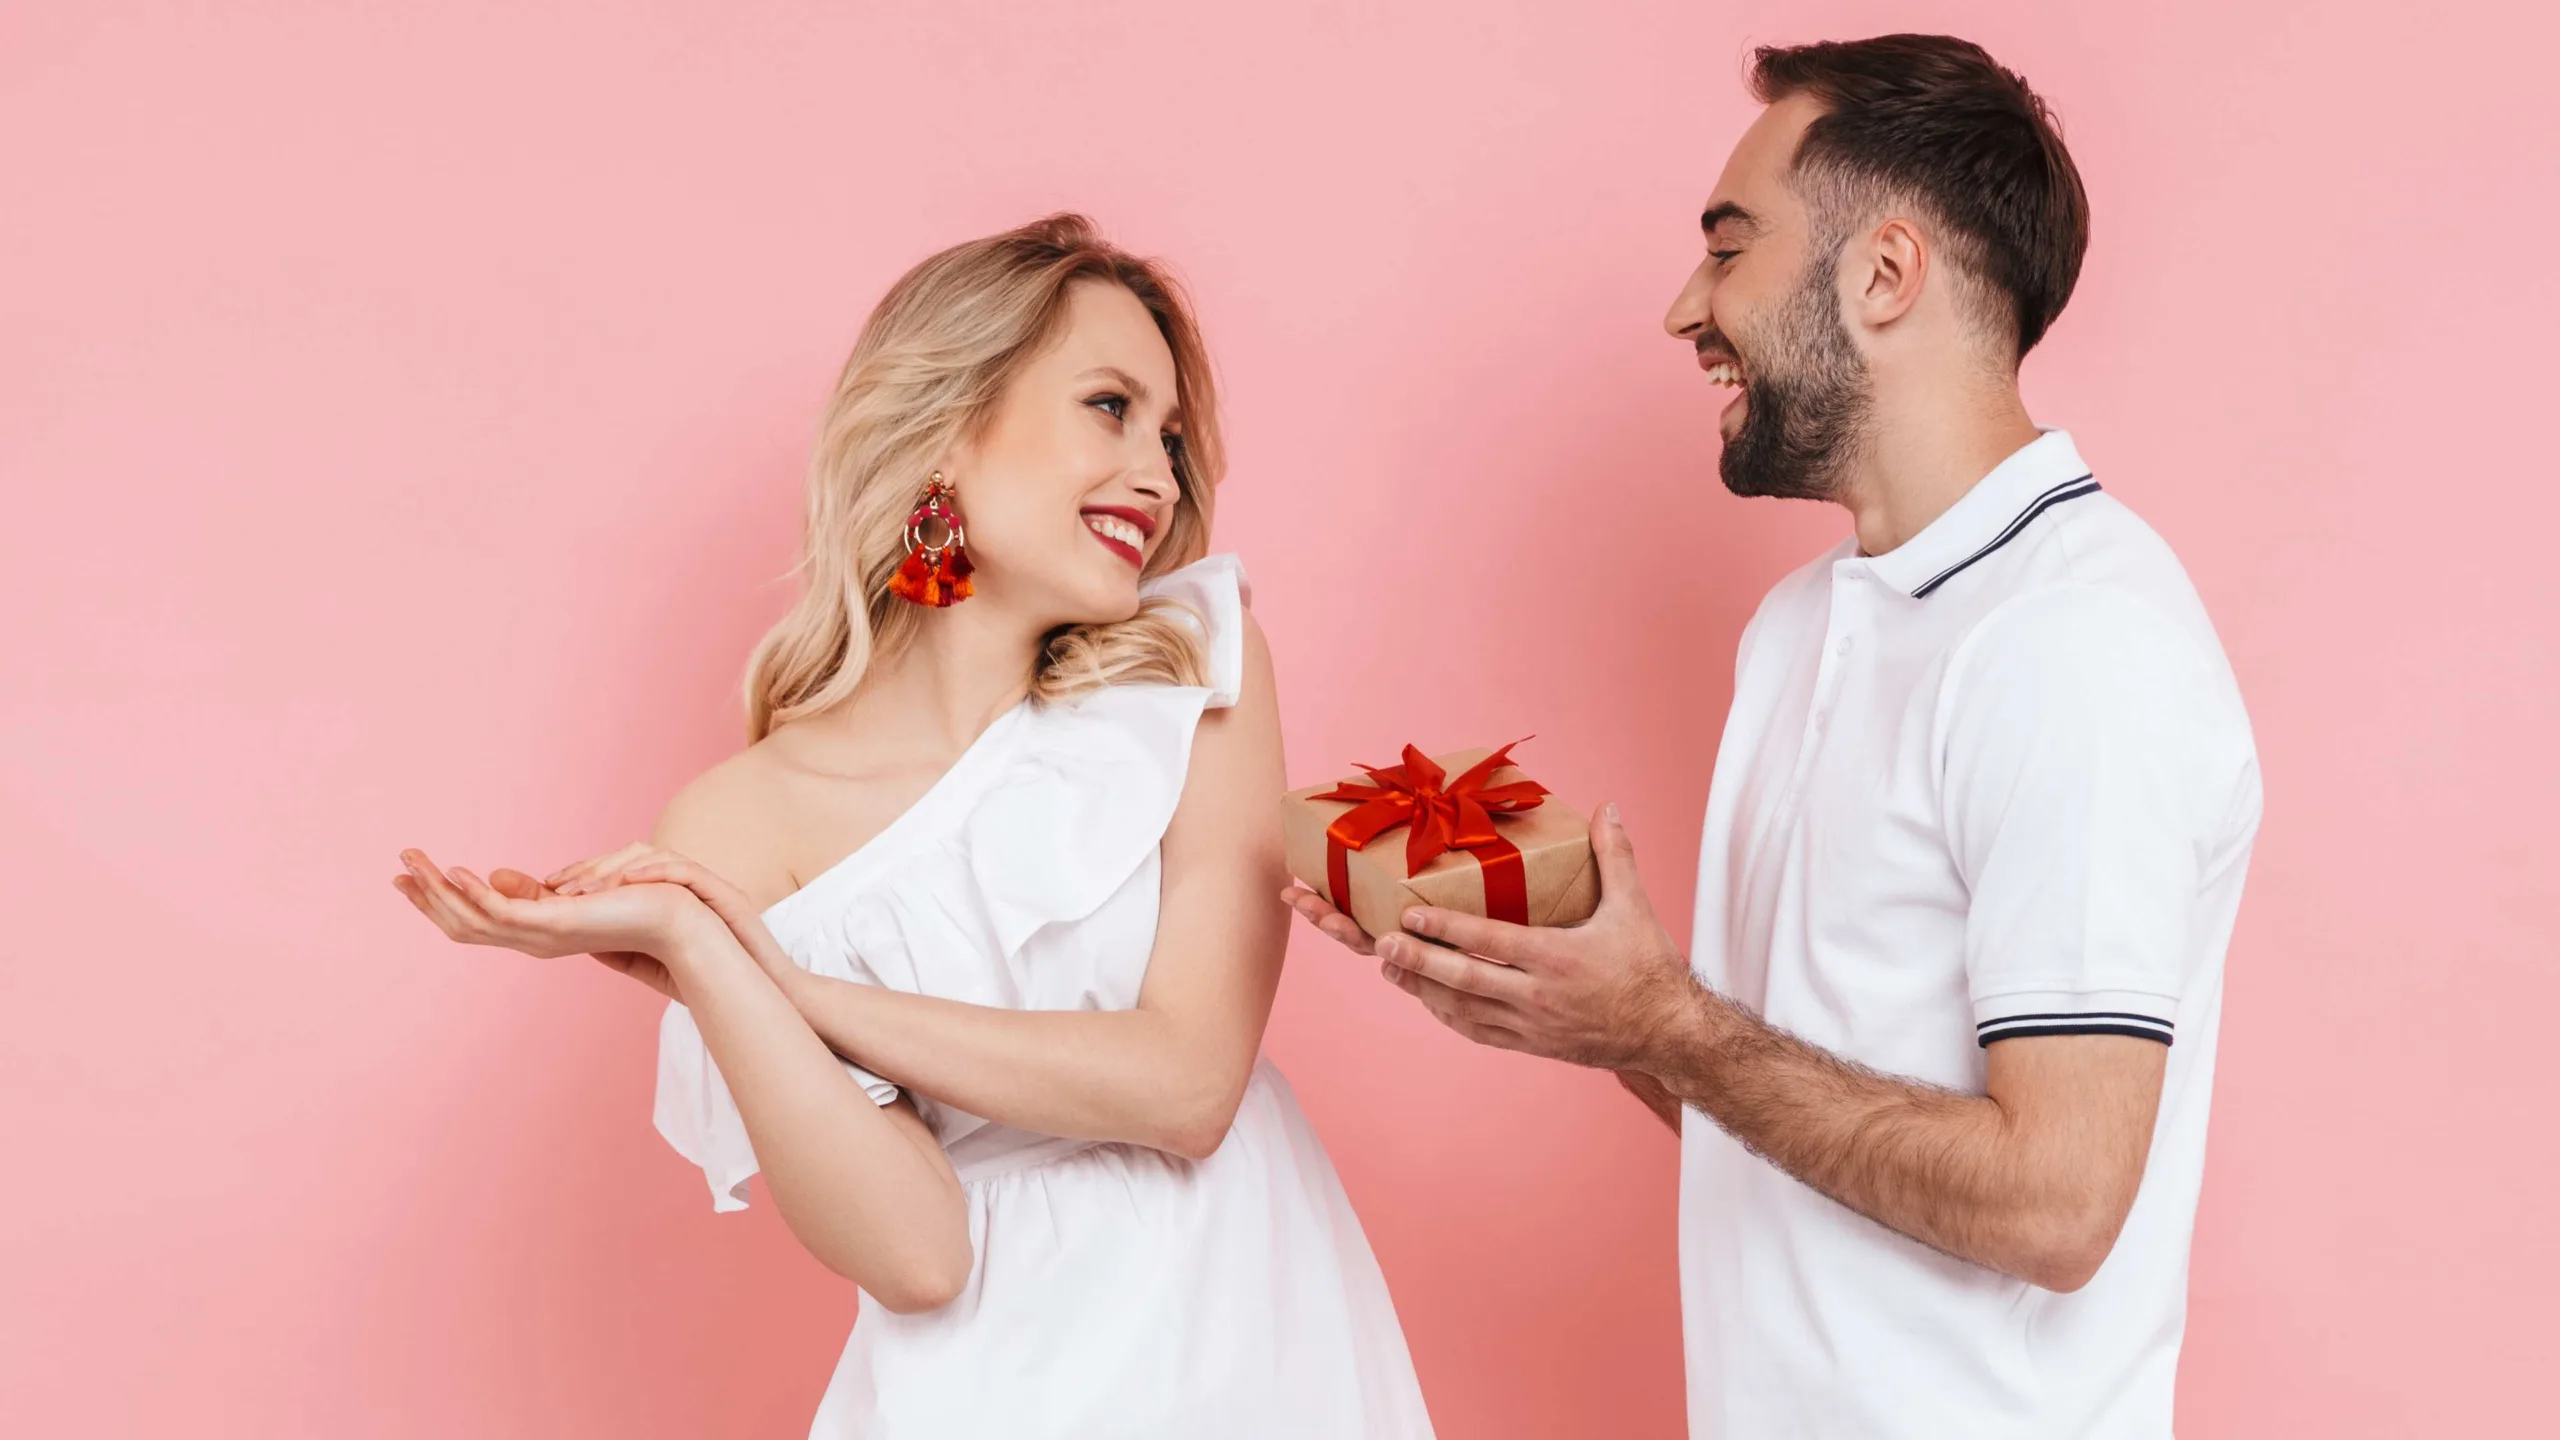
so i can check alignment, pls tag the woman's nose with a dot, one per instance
(1157, 481)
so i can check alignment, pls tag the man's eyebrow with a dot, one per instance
(1728, 213)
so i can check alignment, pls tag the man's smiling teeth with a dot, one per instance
(1724, 372)
(1112, 527)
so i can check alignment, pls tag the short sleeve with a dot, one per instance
(1216, 593)
(699, 1117)
(1095, 780)
(2088, 765)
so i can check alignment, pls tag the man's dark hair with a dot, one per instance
(1934, 121)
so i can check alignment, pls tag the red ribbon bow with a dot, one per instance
(1444, 815)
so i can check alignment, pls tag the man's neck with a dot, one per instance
(1924, 453)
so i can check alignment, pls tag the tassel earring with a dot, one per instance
(936, 570)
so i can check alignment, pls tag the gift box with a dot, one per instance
(1466, 831)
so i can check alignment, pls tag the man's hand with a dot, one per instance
(2033, 1178)
(1609, 992)
(1337, 927)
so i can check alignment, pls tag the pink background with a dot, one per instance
(401, 415)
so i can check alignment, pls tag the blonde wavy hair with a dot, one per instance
(925, 376)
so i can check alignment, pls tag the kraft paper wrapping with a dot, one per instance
(1555, 856)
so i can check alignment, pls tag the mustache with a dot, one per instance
(1713, 342)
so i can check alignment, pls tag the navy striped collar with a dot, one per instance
(2045, 472)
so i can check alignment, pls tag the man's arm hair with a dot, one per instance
(1664, 1105)
(2033, 1179)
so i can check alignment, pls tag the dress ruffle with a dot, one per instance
(1053, 811)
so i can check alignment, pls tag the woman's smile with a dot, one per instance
(1122, 529)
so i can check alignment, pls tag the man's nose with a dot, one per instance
(1688, 313)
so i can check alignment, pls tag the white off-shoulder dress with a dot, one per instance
(1118, 1291)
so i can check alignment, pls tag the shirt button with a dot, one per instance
(1847, 644)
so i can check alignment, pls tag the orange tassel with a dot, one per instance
(934, 575)
(943, 581)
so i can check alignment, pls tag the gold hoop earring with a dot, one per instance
(936, 570)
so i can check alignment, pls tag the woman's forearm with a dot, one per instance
(871, 1197)
(1128, 1075)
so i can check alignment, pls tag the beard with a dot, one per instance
(1807, 392)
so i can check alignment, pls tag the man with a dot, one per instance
(1978, 828)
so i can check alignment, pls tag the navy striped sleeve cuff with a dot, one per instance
(2075, 1022)
(2032, 1009)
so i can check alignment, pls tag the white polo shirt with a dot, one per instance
(1996, 782)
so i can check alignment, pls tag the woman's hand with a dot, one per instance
(641, 930)
(642, 864)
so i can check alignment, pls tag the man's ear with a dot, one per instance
(1897, 265)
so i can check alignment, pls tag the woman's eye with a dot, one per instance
(1115, 406)
(1173, 443)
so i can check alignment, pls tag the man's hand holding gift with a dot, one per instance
(1604, 992)
(2032, 1178)
(1608, 990)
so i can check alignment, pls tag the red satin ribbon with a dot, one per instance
(1444, 815)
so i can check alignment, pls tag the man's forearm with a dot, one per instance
(1952, 1171)
(1664, 1105)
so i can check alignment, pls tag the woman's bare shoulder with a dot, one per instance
(1257, 704)
(1258, 671)
(1236, 755)
(726, 817)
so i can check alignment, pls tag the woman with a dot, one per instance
(1005, 841)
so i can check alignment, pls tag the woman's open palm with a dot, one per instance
(645, 864)
(626, 928)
